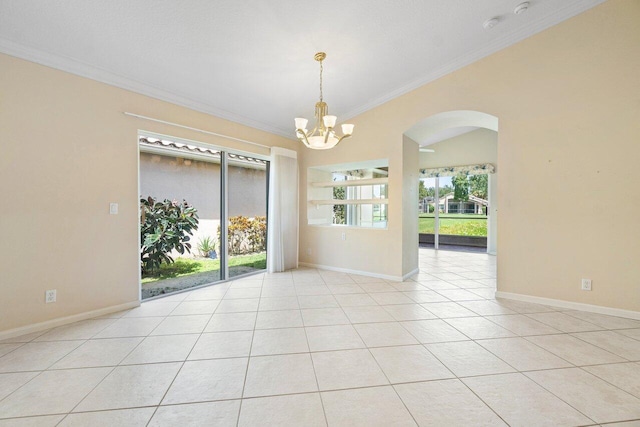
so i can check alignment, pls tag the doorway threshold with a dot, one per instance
(455, 248)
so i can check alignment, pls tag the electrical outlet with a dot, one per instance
(586, 284)
(113, 208)
(344, 236)
(308, 251)
(50, 296)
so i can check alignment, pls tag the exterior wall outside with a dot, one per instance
(461, 207)
(170, 178)
(448, 205)
(566, 100)
(247, 191)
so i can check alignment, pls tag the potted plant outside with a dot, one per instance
(207, 247)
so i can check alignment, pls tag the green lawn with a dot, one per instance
(455, 224)
(188, 266)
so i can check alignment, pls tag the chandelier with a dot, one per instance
(322, 136)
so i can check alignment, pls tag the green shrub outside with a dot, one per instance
(164, 227)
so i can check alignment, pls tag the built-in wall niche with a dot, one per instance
(349, 194)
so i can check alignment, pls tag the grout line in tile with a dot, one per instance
(602, 348)
(607, 381)
(313, 366)
(549, 391)
(618, 422)
(246, 371)
(182, 363)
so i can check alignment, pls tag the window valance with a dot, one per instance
(482, 169)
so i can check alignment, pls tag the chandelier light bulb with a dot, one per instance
(329, 121)
(347, 128)
(301, 123)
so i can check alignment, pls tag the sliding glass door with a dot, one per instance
(202, 215)
(247, 215)
(453, 211)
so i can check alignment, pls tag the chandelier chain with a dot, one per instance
(320, 81)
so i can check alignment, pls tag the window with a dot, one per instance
(353, 195)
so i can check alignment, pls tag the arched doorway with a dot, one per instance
(459, 143)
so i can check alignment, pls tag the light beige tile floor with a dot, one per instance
(315, 348)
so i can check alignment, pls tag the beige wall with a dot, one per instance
(569, 112)
(67, 150)
(409, 206)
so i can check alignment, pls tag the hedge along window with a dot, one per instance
(222, 187)
(349, 195)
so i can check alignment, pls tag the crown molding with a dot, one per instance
(462, 61)
(82, 69)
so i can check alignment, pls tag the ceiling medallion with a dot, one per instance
(322, 136)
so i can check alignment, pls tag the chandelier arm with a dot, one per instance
(343, 137)
(303, 137)
(326, 135)
(307, 134)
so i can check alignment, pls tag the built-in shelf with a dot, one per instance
(351, 183)
(350, 202)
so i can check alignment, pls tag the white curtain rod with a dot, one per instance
(194, 129)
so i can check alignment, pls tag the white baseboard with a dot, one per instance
(43, 326)
(412, 273)
(361, 273)
(629, 314)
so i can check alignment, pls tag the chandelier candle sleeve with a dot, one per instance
(322, 136)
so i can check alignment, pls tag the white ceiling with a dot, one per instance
(251, 61)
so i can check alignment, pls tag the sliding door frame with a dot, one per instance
(224, 203)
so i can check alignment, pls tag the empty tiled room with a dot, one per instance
(188, 241)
